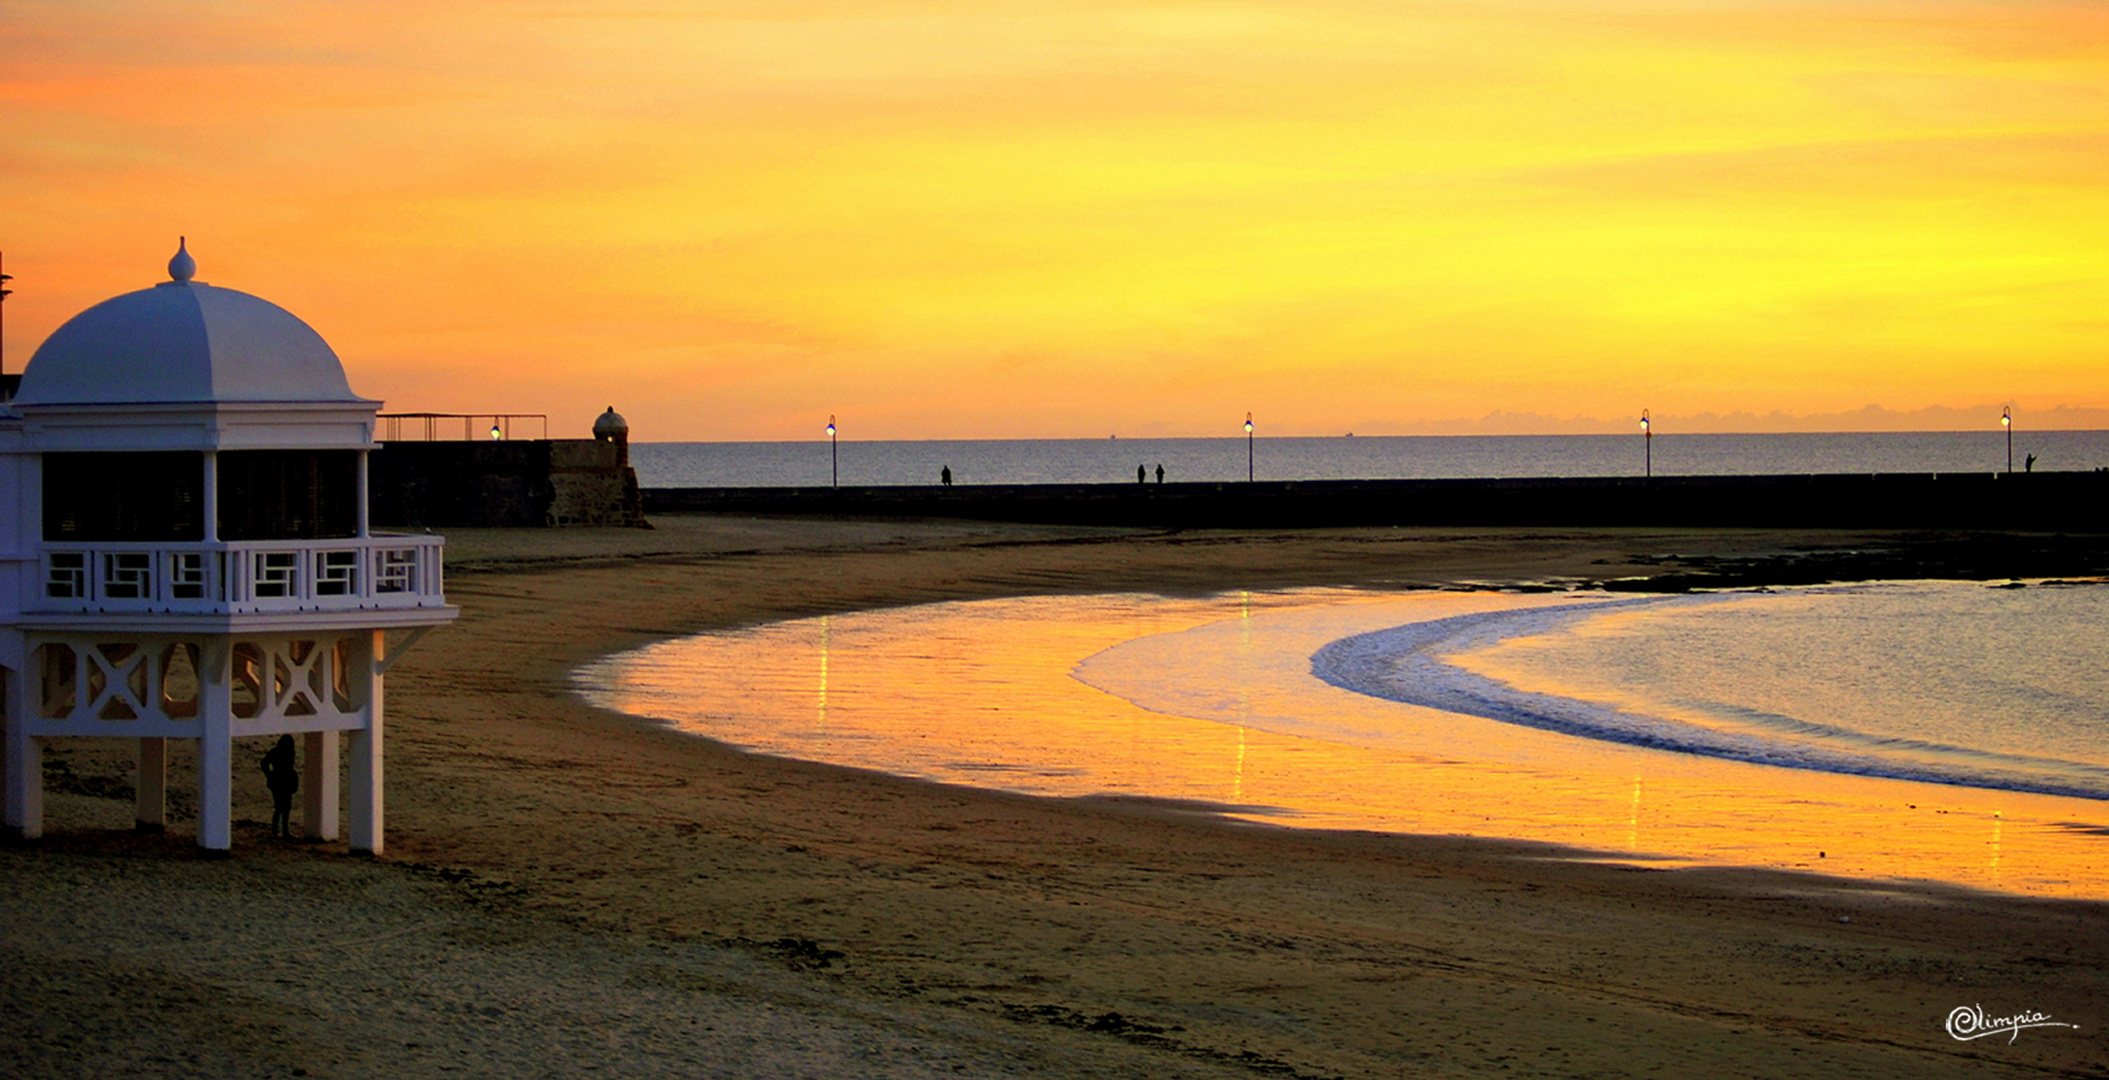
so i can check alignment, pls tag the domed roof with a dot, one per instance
(183, 341)
(610, 424)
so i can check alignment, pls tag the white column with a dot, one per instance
(24, 787)
(363, 488)
(212, 496)
(150, 804)
(216, 745)
(319, 811)
(366, 768)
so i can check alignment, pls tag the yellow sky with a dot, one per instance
(1010, 218)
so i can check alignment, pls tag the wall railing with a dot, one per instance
(439, 427)
(241, 577)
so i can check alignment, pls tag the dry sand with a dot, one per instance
(568, 890)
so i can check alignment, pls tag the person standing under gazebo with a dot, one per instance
(282, 776)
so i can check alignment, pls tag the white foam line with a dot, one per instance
(1404, 664)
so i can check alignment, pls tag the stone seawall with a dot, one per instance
(2058, 502)
(511, 483)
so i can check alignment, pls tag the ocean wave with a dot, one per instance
(1404, 664)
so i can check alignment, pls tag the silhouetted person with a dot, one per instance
(944, 476)
(1160, 472)
(283, 778)
(1142, 475)
(2029, 465)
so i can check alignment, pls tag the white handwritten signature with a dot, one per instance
(1970, 1022)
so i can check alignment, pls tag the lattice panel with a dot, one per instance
(118, 675)
(277, 574)
(66, 575)
(296, 677)
(395, 570)
(336, 573)
(188, 575)
(128, 575)
(108, 682)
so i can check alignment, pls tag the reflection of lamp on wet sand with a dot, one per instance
(1647, 442)
(2006, 420)
(834, 473)
(1248, 448)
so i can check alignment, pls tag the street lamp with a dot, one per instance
(2006, 420)
(4, 292)
(1248, 448)
(834, 470)
(1647, 442)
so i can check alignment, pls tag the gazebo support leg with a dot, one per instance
(21, 759)
(150, 804)
(216, 783)
(25, 782)
(216, 746)
(319, 785)
(366, 765)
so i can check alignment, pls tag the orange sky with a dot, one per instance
(1013, 218)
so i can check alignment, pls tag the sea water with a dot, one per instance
(1048, 461)
(1947, 682)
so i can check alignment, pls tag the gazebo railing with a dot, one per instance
(242, 577)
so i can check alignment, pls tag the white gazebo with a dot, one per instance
(186, 553)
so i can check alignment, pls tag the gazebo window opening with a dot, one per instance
(346, 694)
(148, 496)
(246, 689)
(58, 685)
(179, 681)
(288, 495)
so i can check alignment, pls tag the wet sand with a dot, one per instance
(567, 887)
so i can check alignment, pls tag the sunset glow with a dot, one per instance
(733, 219)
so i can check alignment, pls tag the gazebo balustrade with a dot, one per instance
(382, 572)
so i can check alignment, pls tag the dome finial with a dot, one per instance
(182, 267)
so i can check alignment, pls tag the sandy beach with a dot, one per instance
(570, 890)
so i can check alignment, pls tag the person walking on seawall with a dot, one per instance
(1160, 472)
(2030, 464)
(1141, 476)
(283, 778)
(944, 476)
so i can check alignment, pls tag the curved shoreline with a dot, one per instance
(1212, 702)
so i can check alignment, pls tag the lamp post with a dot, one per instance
(4, 292)
(2006, 420)
(1647, 443)
(834, 471)
(1248, 448)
